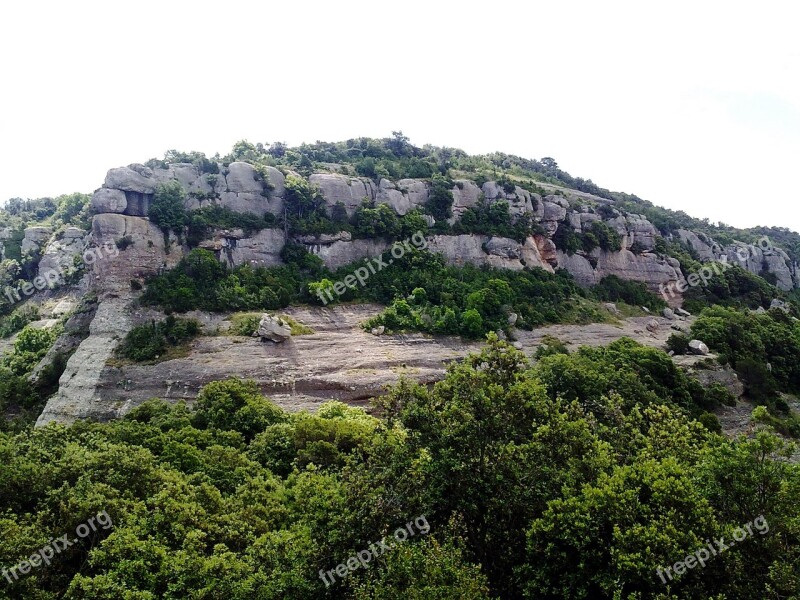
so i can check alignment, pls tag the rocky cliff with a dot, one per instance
(90, 387)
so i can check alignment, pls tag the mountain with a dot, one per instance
(371, 370)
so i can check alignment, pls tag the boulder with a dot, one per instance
(612, 308)
(133, 178)
(273, 329)
(668, 313)
(243, 178)
(698, 347)
(553, 212)
(652, 325)
(107, 200)
(35, 238)
(579, 267)
(682, 312)
(512, 319)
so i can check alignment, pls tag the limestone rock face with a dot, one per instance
(756, 258)
(465, 195)
(133, 178)
(61, 253)
(146, 255)
(547, 250)
(579, 267)
(273, 329)
(245, 192)
(640, 231)
(341, 253)
(532, 254)
(35, 239)
(107, 200)
(404, 196)
(519, 200)
(262, 249)
(691, 239)
(478, 250)
(553, 212)
(243, 178)
(350, 191)
(647, 268)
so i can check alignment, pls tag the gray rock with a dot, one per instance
(35, 238)
(779, 304)
(517, 345)
(133, 178)
(350, 191)
(612, 308)
(404, 196)
(60, 254)
(465, 195)
(698, 347)
(512, 319)
(273, 329)
(553, 212)
(243, 178)
(504, 247)
(668, 313)
(690, 238)
(682, 312)
(107, 200)
(652, 325)
(378, 330)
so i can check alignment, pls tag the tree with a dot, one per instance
(167, 209)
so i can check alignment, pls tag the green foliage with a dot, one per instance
(18, 319)
(678, 343)
(576, 477)
(73, 209)
(732, 286)
(613, 289)
(370, 221)
(495, 219)
(245, 324)
(750, 342)
(166, 209)
(150, 341)
(202, 221)
(440, 198)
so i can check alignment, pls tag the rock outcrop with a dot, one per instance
(273, 329)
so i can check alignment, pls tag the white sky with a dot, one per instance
(694, 106)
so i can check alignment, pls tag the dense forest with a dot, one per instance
(577, 477)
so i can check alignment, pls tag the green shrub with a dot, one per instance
(167, 209)
(678, 343)
(151, 341)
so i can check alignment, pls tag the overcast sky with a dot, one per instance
(694, 106)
